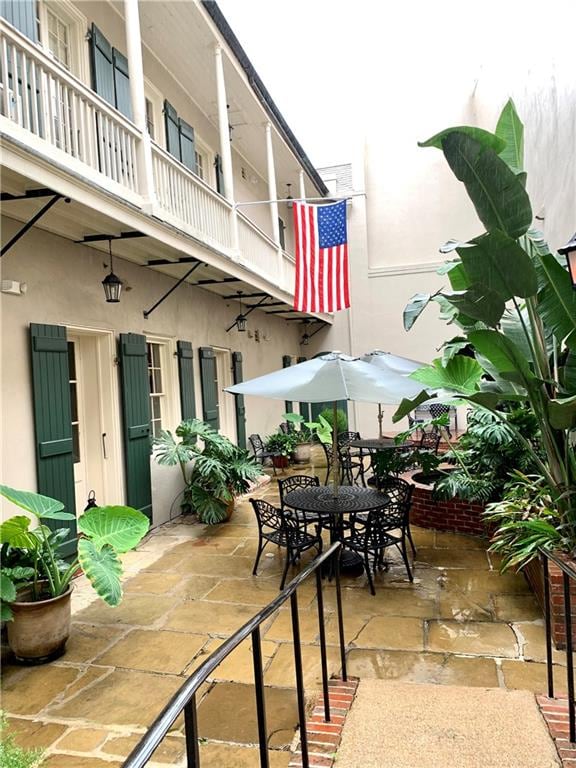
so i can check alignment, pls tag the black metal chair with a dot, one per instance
(329, 456)
(260, 452)
(351, 459)
(399, 491)
(284, 530)
(284, 427)
(370, 534)
(430, 441)
(291, 484)
(441, 409)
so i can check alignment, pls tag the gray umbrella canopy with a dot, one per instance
(333, 376)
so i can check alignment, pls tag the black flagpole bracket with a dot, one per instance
(148, 312)
(37, 216)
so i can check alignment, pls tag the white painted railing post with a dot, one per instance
(273, 196)
(146, 185)
(225, 149)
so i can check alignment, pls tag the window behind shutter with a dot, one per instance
(121, 84)
(239, 400)
(172, 130)
(209, 387)
(286, 363)
(186, 377)
(102, 66)
(304, 407)
(219, 175)
(22, 15)
(136, 421)
(187, 154)
(53, 421)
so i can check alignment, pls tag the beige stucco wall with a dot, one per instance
(64, 288)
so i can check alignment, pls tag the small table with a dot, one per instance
(321, 501)
(375, 444)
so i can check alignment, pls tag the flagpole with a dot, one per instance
(302, 200)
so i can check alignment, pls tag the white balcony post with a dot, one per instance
(302, 192)
(273, 196)
(136, 70)
(225, 149)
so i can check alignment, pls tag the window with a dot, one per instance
(74, 402)
(199, 164)
(157, 393)
(58, 38)
(61, 32)
(150, 118)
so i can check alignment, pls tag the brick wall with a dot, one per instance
(535, 576)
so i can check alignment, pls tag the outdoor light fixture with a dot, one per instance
(305, 340)
(569, 250)
(289, 197)
(111, 283)
(241, 319)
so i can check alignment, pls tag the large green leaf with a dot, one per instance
(504, 355)
(498, 196)
(15, 532)
(498, 262)
(562, 413)
(119, 527)
(510, 129)
(103, 569)
(407, 406)
(41, 506)
(7, 588)
(414, 308)
(513, 329)
(556, 296)
(485, 138)
(461, 375)
(459, 280)
(479, 303)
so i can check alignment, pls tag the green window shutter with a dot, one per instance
(53, 421)
(304, 407)
(136, 421)
(219, 175)
(209, 387)
(239, 400)
(187, 149)
(22, 15)
(186, 377)
(122, 99)
(102, 66)
(172, 130)
(286, 363)
(282, 233)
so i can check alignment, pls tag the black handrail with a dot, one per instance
(185, 697)
(568, 572)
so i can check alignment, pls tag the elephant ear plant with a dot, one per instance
(31, 555)
(513, 301)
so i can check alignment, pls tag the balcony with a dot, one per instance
(51, 112)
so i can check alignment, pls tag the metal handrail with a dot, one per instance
(568, 572)
(185, 697)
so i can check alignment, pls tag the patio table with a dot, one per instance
(321, 501)
(375, 444)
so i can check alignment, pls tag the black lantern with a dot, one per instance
(289, 197)
(241, 319)
(112, 284)
(305, 339)
(569, 250)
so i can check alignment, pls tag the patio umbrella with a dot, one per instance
(333, 376)
(394, 366)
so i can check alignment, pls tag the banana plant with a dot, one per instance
(513, 303)
(32, 553)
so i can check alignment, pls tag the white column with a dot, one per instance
(225, 149)
(273, 196)
(302, 192)
(136, 70)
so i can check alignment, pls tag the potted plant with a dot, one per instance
(304, 432)
(341, 419)
(214, 471)
(282, 445)
(37, 583)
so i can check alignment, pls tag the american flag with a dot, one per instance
(322, 283)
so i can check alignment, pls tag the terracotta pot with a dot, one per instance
(230, 509)
(280, 462)
(39, 630)
(302, 453)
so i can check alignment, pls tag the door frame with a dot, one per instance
(226, 401)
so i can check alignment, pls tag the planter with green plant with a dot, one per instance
(214, 470)
(282, 445)
(305, 432)
(36, 583)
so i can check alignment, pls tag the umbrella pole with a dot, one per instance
(380, 417)
(335, 467)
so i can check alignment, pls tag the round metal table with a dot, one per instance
(351, 498)
(375, 444)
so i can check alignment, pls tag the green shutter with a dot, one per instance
(186, 376)
(286, 363)
(219, 175)
(53, 421)
(172, 130)
(21, 14)
(187, 150)
(239, 400)
(136, 421)
(304, 407)
(123, 102)
(209, 386)
(102, 66)
(282, 233)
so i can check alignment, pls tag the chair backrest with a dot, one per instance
(346, 437)
(384, 519)
(430, 441)
(399, 491)
(284, 427)
(328, 453)
(267, 515)
(439, 409)
(296, 481)
(257, 444)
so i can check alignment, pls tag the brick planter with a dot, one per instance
(454, 515)
(535, 576)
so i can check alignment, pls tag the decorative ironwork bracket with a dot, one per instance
(37, 216)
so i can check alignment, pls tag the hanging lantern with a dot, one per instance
(289, 197)
(112, 284)
(569, 250)
(241, 320)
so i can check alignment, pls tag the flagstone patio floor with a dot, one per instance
(189, 586)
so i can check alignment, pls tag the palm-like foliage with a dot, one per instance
(213, 468)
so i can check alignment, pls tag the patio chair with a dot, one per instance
(329, 456)
(351, 459)
(440, 409)
(284, 530)
(370, 534)
(430, 441)
(400, 492)
(284, 427)
(291, 484)
(260, 452)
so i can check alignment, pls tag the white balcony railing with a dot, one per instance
(258, 249)
(42, 97)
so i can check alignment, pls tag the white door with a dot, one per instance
(226, 404)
